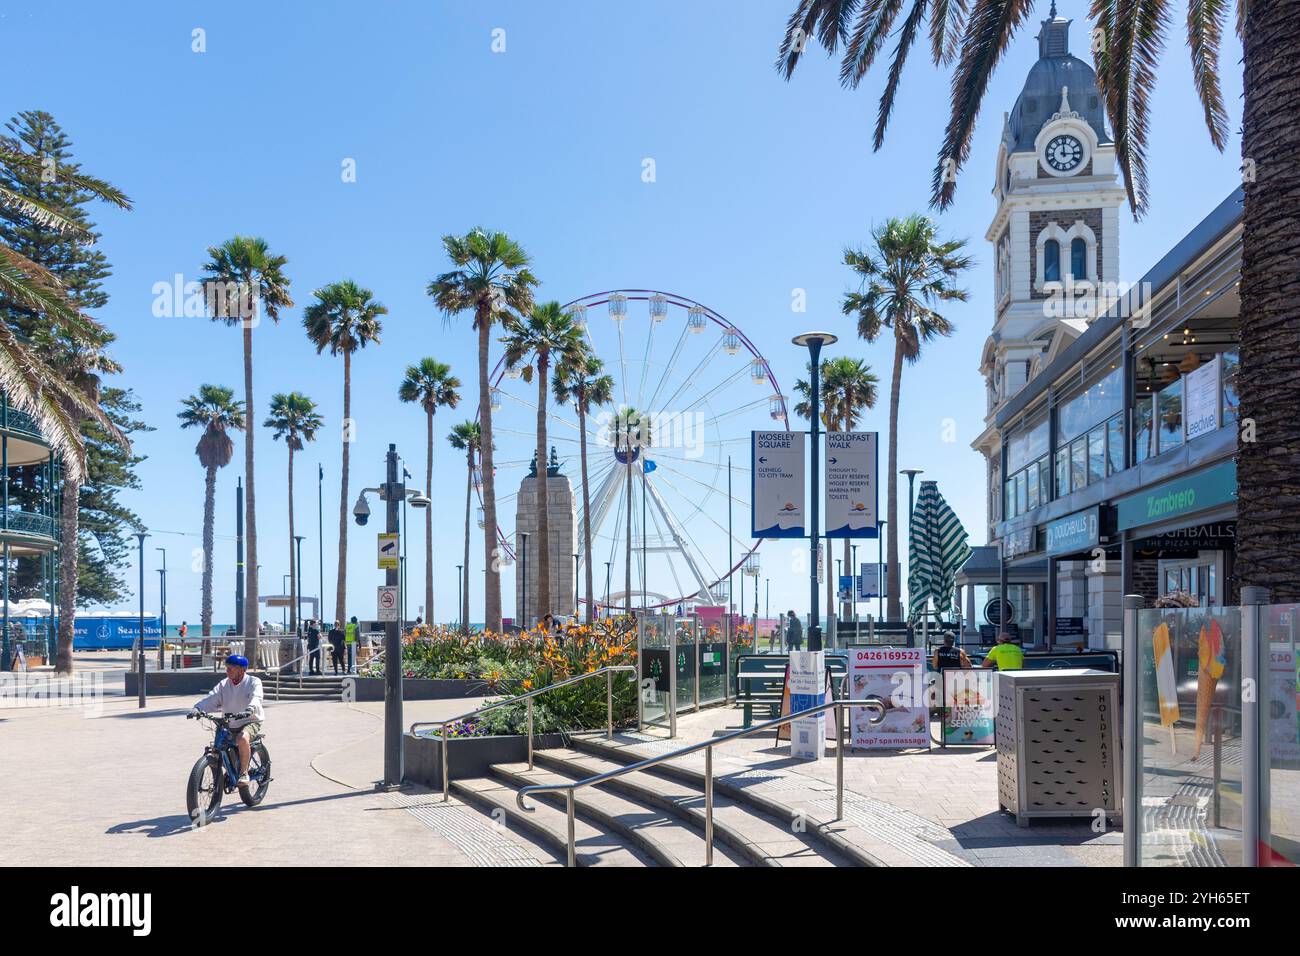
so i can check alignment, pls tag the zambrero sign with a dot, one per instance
(1195, 492)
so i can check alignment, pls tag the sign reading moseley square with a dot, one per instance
(777, 485)
(1185, 495)
(851, 495)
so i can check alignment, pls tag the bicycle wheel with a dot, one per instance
(203, 795)
(259, 774)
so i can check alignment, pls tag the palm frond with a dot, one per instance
(98, 188)
(990, 29)
(906, 37)
(947, 17)
(870, 34)
(1205, 22)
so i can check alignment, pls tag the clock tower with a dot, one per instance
(1055, 231)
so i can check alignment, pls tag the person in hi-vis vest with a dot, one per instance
(350, 640)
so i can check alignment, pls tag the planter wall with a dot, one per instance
(470, 756)
(166, 683)
(419, 688)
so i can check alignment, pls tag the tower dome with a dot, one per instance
(1056, 82)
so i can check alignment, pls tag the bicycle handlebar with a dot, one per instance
(219, 718)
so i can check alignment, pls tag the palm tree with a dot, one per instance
(580, 379)
(295, 419)
(630, 431)
(1128, 39)
(344, 318)
(848, 388)
(215, 410)
(547, 335)
(909, 272)
(243, 270)
(36, 379)
(466, 437)
(432, 385)
(491, 276)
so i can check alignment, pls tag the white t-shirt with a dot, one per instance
(230, 698)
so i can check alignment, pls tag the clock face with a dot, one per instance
(1064, 153)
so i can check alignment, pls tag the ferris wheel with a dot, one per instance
(662, 525)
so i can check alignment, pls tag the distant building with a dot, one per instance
(561, 547)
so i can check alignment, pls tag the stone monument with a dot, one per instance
(561, 547)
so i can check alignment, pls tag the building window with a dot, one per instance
(1031, 480)
(1143, 410)
(1115, 445)
(1078, 259)
(1079, 464)
(1052, 261)
(1169, 416)
(1231, 400)
(1062, 472)
(1097, 454)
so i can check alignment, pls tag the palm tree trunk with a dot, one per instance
(544, 597)
(341, 587)
(492, 578)
(69, 516)
(251, 605)
(895, 606)
(586, 512)
(293, 571)
(1268, 522)
(428, 529)
(469, 487)
(209, 522)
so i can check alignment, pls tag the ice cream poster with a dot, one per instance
(897, 676)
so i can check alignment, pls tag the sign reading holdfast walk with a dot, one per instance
(851, 486)
(777, 485)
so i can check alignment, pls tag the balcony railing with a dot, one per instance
(16, 521)
(13, 420)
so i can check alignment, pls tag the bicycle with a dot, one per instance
(216, 772)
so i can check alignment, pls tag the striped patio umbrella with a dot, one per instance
(936, 550)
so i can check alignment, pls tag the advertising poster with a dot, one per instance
(969, 703)
(897, 676)
(851, 485)
(777, 485)
(1203, 387)
(1283, 729)
(806, 679)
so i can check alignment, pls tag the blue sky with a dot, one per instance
(760, 184)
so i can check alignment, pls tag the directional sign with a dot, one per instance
(851, 485)
(777, 485)
(387, 552)
(871, 582)
(387, 603)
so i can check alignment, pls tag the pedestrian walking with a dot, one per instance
(336, 646)
(313, 648)
(793, 632)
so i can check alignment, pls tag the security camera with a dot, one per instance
(361, 510)
(419, 501)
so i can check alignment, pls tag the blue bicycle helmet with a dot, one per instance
(239, 660)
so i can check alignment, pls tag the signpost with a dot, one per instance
(851, 485)
(871, 581)
(777, 489)
(387, 602)
(388, 552)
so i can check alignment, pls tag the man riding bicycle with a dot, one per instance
(239, 693)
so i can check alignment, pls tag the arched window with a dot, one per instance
(1078, 259)
(1052, 261)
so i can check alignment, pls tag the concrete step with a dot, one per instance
(756, 835)
(549, 825)
(820, 846)
(655, 831)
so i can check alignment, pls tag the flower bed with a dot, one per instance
(511, 664)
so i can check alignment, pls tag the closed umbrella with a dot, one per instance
(936, 550)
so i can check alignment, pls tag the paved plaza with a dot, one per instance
(110, 789)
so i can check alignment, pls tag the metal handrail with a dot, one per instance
(569, 789)
(609, 717)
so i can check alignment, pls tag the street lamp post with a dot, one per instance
(576, 608)
(607, 566)
(880, 566)
(853, 580)
(911, 505)
(297, 601)
(460, 594)
(162, 599)
(814, 341)
(139, 537)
